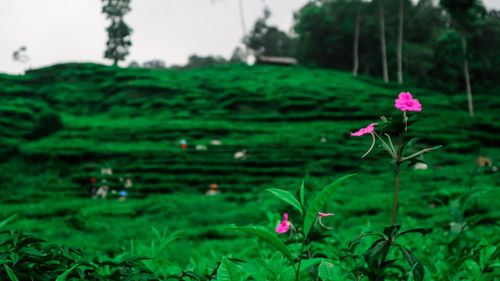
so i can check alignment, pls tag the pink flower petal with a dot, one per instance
(364, 131)
(283, 227)
(406, 102)
(325, 214)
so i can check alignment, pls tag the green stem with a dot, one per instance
(398, 163)
(420, 152)
(385, 145)
(300, 261)
(390, 142)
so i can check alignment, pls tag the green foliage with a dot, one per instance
(288, 198)
(134, 118)
(228, 271)
(47, 124)
(319, 201)
(24, 257)
(378, 267)
(196, 61)
(268, 237)
(118, 32)
(432, 51)
(268, 40)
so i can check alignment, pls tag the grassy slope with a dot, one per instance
(133, 119)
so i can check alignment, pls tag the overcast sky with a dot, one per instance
(56, 31)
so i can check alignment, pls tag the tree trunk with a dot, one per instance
(356, 42)
(382, 41)
(400, 42)
(466, 74)
(242, 18)
(244, 27)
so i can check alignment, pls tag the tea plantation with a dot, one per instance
(61, 124)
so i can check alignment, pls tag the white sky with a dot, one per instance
(56, 31)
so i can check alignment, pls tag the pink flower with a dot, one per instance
(322, 215)
(283, 227)
(364, 131)
(406, 102)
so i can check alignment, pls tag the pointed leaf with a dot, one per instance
(65, 274)
(419, 230)
(375, 254)
(191, 275)
(11, 273)
(418, 270)
(326, 271)
(320, 200)
(228, 271)
(7, 220)
(409, 144)
(302, 192)
(267, 236)
(392, 231)
(305, 264)
(286, 197)
(355, 240)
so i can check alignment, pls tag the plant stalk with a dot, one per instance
(398, 163)
(297, 273)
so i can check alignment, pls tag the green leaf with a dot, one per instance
(419, 230)
(65, 274)
(166, 242)
(7, 220)
(416, 265)
(485, 255)
(362, 236)
(191, 275)
(376, 253)
(11, 273)
(326, 271)
(228, 271)
(302, 192)
(286, 197)
(289, 272)
(276, 263)
(267, 236)
(409, 144)
(320, 200)
(392, 231)
(473, 269)
(32, 251)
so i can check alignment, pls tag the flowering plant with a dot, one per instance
(376, 255)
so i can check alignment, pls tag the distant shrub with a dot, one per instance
(8, 147)
(25, 257)
(47, 124)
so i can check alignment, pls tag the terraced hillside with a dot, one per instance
(134, 119)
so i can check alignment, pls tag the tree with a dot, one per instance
(20, 56)
(238, 56)
(196, 61)
(400, 42)
(118, 32)
(465, 15)
(134, 64)
(382, 41)
(154, 64)
(356, 42)
(268, 40)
